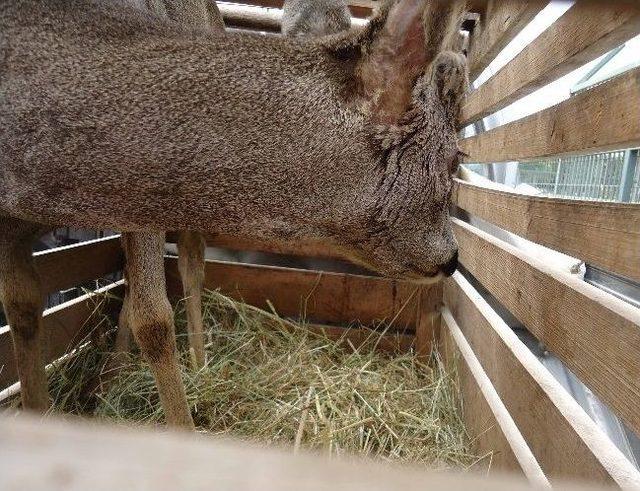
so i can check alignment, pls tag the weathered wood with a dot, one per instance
(65, 326)
(600, 119)
(501, 22)
(564, 440)
(590, 28)
(595, 334)
(66, 267)
(320, 297)
(490, 427)
(78, 455)
(606, 235)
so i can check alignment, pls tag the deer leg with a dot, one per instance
(191, 247)
(151, 319)
(22, 299)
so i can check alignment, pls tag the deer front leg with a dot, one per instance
(191, 247)
(21, 297)
(151, 320)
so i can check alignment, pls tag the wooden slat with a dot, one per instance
(595, 334)
(490, 427)
(606, 235)
(327, 298)
(53, 454)
(565, 441)
(502, 21)
(65, 326)
(65, 267)
(590, 28)
(600, 119)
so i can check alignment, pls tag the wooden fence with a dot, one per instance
(512, 405)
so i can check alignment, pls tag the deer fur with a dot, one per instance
(305, 18)
(191, 245)
(111, 118)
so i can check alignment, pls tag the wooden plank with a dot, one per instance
(66, 267)
(320, 297)
(595, 334)
(65, 326)
(600, 119)
(589, 29)
(606, 235)
(564, 440)
(490, 427)
(502, 21)
(43, 455)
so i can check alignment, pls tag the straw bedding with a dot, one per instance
(272, 381)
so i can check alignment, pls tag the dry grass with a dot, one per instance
(287, 386)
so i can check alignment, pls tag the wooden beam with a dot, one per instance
(42, 455)
(66, 267)
(320, 297)
(65, 326)
(502, 21)
(490, 427)
(590, 28)
(564, 440)
(606, 235)
(595, 334)
(600, 119)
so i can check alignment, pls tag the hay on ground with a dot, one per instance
(285, 386)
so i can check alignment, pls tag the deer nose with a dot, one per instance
(450, 268)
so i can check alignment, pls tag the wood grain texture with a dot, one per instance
(600, 119)
(606, 235)
(595, 334)
(66, 267)
(490, 427)
(78, 455)
(589, 29)
(65, 326)
(564, 440)
(501, 22)
(320, 297)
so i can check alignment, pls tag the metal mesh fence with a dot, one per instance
(589, 177)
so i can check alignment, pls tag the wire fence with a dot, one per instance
(597, 177)
(594, 177)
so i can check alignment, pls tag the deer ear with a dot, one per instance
(450, 77)
(407, 36)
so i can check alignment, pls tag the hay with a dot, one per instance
(286, 386)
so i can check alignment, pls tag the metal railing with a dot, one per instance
(610, 176)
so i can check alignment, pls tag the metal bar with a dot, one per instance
(628, 172)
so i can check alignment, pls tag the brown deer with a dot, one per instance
(191, 245)
(306, 18)
(111, 118)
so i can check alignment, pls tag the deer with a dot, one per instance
(303, 18)
(115, 119)
(201, 14)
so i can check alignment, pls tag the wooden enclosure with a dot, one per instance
(513, 406)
